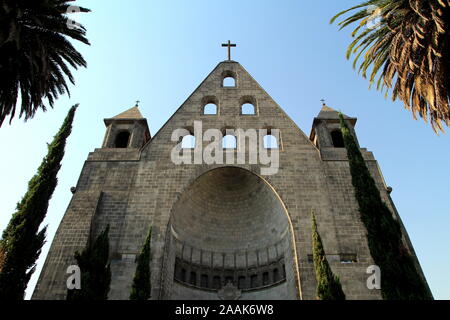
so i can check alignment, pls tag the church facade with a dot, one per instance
(220, 230)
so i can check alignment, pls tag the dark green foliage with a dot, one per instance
(2, 258)
(22, 241)
(328, 284)
(141, 283)
(36, 54)
(95, 270)
(400, 279)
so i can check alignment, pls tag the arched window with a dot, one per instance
(265, 278)
(204, 281)
(210, 109)
(122, 139)
(229, 78)
(241, 282)
(177, 273)
(276, 275)
(338, 140)
(188, 142)
(216, 282)
(229, 142)
(229, 82)
(270, 142)
(193, 278)
(254, 281)
(248, 109)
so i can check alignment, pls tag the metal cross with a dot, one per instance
(229, 45)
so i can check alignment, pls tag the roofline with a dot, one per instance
(108, 121)
(179, 108)
(209, 74)
(351, 119)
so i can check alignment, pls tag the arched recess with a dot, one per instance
(210, 105)
(248, 105)
(229, 79)
(337, 139)
(122, 139)
(230, 225)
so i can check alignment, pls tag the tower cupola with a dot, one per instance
(326, 128)
(126, 130)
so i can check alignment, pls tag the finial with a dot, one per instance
(137, 103)
(323, 102)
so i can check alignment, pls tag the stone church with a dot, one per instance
(220, 231)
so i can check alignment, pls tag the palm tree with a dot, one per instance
(406, 43)
(35, 53)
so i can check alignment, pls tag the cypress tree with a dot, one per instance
(141, 283)
(328, 284)
(22, 241)
(2, 258)
(95, 269)
(400, 279)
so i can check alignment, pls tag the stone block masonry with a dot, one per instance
(215, 225)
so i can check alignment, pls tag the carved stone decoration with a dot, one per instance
(229, 292)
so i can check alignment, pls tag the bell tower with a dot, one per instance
(126, 130)
(326, 129)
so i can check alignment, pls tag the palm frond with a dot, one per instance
(35, 54)
(408, 50)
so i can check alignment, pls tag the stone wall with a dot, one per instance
(185, 292)
(143, 188)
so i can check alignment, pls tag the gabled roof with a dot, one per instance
(330, 114)
(212, 85)
(132, 113)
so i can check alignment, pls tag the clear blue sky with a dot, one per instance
(159, 51)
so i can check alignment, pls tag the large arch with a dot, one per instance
(230, 228)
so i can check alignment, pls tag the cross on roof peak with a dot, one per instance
(229, 45)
